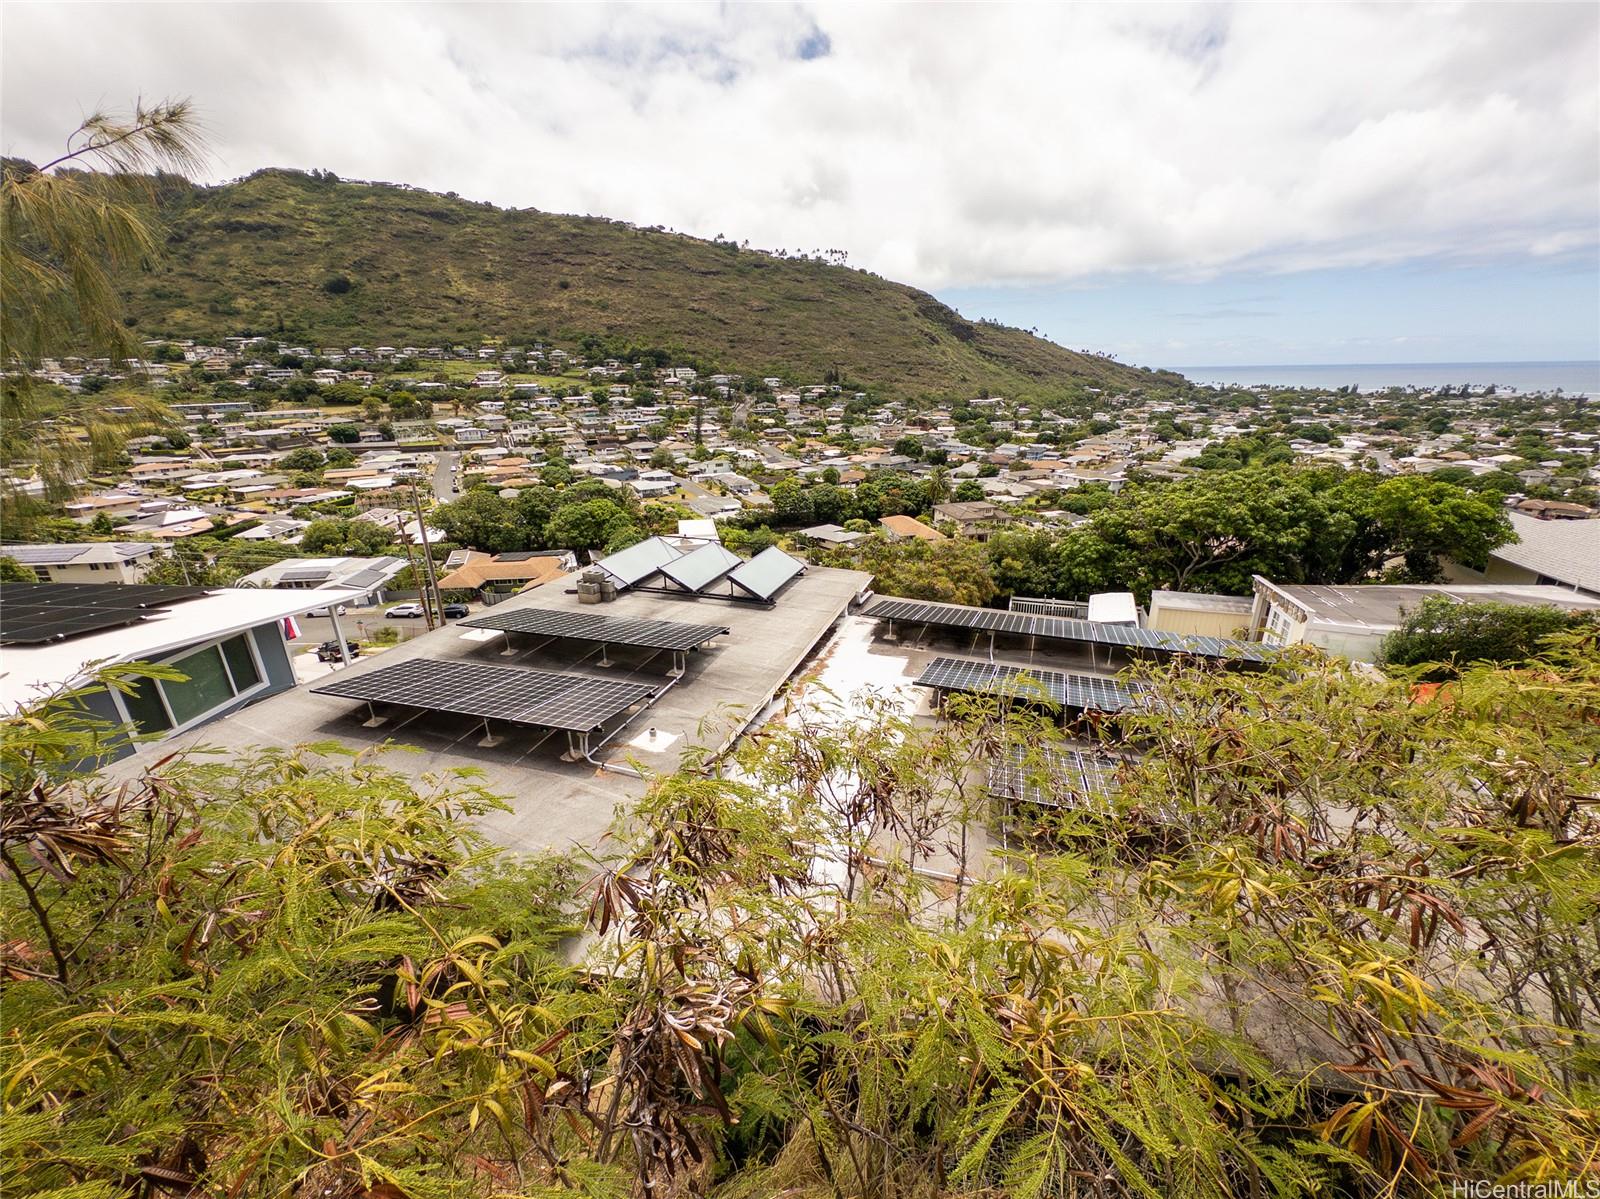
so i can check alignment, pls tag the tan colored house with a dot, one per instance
(1199, 613)
(972, 518)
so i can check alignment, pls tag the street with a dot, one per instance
(446, 464)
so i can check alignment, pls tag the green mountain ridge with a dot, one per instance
(308, 258)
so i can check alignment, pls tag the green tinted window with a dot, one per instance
(207, 686)
(145, 707)
(240, 663)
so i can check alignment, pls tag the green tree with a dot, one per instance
(591, 524)
(12, 571)
(303, 460)
(1426, 520)
(336, 536)
(791, 502)
(344, 434)
(555, 473)
(969, 491)
(67, 230)
(481, 520)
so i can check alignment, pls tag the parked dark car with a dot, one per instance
(328, 651)
(455, 611)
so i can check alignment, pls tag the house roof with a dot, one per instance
(1379, 607)
(79, 554)
(966, 510)
(323, 573)
(1565, 550)
(480, 569)
(910, 526)
(835, 534)
(34, 670)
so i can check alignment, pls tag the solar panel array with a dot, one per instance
(35, 613)
(549, 699)
(586, 626)
(765, 574)
(45, 555)
(700, 568)
(1058, 628)
(1086, 691)
(1052, 776)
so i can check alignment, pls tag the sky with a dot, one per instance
(1195, 184)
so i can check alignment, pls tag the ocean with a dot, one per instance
(1571, 377)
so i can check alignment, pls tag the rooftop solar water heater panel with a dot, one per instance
(638, 562)
(765, 574)
(700, 568)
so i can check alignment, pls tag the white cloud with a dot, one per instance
(944, 145)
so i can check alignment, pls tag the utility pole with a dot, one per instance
(411, 560)
(427, 558)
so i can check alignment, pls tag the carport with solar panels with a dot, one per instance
(581, 706)
(1092, 635)
(547, 676)
(659, 636)
(1055, 690)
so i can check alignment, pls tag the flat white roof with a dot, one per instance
(28, 672)
(1113, 607)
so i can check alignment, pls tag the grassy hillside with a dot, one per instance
(258, 256)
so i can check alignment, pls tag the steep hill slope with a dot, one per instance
(273, 253)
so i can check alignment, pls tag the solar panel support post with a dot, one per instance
(338, 634)
(889, 633)
(373, 720)
(680, 663)
(577, 747)
(510, 650)
(489, 740)
(605, 658)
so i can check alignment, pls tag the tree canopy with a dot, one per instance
(1259, 963)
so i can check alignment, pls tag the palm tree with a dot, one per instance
(67, 229)
(938, 485)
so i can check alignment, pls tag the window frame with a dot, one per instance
(263, 681)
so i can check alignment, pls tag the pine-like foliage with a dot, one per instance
(1329, 934)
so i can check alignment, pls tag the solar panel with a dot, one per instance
(587, 626)
(1057, 628)
(1052, 776)
(43, 555)
(638, 562)
(700, 568)
(367, 576)
(35, 613)
(1089, 692)
(765, 574)
(550, 699)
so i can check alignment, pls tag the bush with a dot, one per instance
(384, 634)
(1450, 636)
